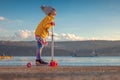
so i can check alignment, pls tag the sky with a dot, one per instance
(75, 20)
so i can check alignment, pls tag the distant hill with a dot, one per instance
(66, 48)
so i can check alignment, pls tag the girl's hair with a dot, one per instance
(51, 11)
(47, 9)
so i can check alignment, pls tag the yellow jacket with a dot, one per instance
(43, 28)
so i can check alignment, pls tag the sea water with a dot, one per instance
(64, 61)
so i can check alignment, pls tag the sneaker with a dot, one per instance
(44, 43)
(39, 62)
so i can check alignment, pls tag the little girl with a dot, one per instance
(42, 31)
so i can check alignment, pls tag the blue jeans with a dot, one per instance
(39, 50)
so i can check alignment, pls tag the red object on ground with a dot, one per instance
(29, 64)
(53, 63)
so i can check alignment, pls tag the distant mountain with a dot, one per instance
(66, 48)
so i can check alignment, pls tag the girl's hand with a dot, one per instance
(52, 23)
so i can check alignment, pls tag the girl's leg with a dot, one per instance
(39, 39)
(38, 56)
(39, 51)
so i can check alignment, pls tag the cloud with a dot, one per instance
(24, 35)
(2, 30)
(66, 37)
(2, 18)
(27, 35)
(69, 36)
(112, 38)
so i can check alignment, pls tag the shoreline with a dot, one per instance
(60, 73)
